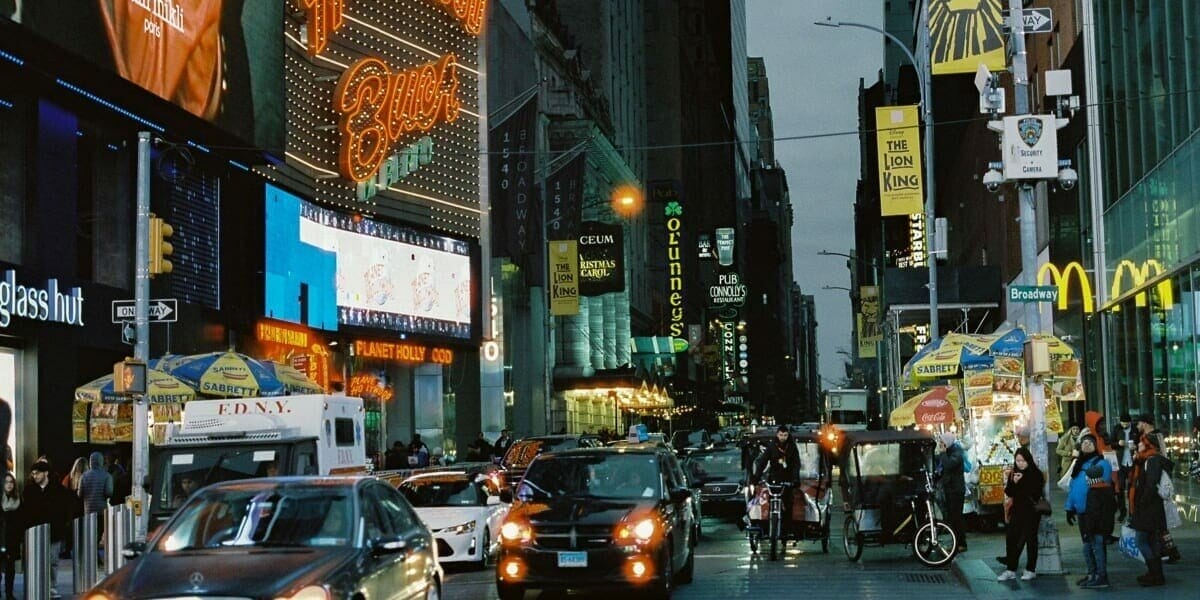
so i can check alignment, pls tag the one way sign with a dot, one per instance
(161, 311)
(1037, 20)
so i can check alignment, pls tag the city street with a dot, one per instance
(725, 569)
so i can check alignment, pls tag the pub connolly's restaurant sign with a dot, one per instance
(376, 105)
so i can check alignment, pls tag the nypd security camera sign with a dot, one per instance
(1030, 147)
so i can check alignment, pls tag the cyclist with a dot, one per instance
(778, 465)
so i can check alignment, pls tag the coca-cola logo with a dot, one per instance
(938, 417)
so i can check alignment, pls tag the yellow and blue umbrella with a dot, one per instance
(225, 374)
(292, 379)
(161, 388)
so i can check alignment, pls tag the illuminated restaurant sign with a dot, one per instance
(384, 101)
(278, 333)
(667, 192)
(402, 352)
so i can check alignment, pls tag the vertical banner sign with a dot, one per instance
(601, 259)
(965, 34)
(564, 197)
(667, 193)
(564, 278)
(513, 194)
(898, 144)
(869, 331)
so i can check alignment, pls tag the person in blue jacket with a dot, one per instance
(1091, 501)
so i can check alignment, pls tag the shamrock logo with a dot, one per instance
(673, 209)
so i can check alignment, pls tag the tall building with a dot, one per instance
(807, 373)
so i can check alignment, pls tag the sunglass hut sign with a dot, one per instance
(378, 105)
(39, 304)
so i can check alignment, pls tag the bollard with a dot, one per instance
(87, 539)
(118, 525)
(37, 562)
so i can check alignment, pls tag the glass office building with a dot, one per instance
(1149, 75)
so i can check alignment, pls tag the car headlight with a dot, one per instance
(514, 532)
(642, 531)
(458, 529)
(312, 592)
(98, 596)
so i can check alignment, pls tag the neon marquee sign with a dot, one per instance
(377, 105)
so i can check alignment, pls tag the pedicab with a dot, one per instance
(888, 490)
(811, 497)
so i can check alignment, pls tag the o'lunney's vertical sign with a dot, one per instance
(39, 304)
(601, 259)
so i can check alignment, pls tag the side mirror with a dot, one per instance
(388, 545)
(506, 495)
(133, 550)
(681, 495)
(494, 500)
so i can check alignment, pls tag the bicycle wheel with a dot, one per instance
(852, 539)
(774, 529)
(934, 545)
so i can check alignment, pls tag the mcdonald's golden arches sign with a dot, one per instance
(1129, 275)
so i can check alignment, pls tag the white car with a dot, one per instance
(463, 511)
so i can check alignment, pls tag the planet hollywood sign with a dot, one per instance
(378, 105)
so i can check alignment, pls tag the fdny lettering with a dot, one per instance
(259, 407)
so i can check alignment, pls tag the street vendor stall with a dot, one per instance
(987, 371)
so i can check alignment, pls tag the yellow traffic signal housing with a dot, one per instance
(160, 248)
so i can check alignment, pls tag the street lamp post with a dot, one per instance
(875, 282)
(925, 79)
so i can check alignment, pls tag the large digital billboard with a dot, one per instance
(221, 60)
(327, 268)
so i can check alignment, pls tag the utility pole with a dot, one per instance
(141, 348)
(926, 67)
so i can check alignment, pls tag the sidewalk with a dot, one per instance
(66, 581)
(978, 568)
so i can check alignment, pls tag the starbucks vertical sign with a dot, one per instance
(564, 278)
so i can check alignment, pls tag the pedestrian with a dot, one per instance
(94, 490)
(1066, 449)
(1147, 516)
(1167, 547)
(1124, 439)
(954, 487)
(419, 451)
(1091, 503)
(396, 457)
(70, 482)
(1025, 485)
(11, 532)
(45, 501)
(480, 449)
(122, 481)
(503, 443)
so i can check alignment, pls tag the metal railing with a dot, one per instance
(118, 527)
(86, 530)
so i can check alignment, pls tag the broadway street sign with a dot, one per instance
(1032, 293)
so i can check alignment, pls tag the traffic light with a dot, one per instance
(160, 248)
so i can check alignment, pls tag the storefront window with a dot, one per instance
(14, 113)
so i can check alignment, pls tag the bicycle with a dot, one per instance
(774, 533)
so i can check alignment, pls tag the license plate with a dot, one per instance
(571, 560)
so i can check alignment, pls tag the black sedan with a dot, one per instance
(294, 538)
(598, 518)
(722, 479)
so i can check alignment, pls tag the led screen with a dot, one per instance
(327, 268)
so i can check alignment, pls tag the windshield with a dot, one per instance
(620, 476)
(185, 470)
(523, 452)
(725, 464)
(273, 517)
(443, 492)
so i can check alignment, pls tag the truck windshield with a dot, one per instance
(185, 470)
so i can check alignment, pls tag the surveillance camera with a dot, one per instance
(992, 180)
(1067, 177)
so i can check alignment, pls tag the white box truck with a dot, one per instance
(846, 408)
(241, 438)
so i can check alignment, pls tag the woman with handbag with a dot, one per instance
(1025, 486)
(1146, 514)
(1092, 501)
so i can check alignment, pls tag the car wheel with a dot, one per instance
(666, 582)
(688, 572)
(509, 591)
(485, 558)
(433, 592)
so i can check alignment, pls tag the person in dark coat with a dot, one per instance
(1147, 516)
(397, 457)
(1025, 485)
(11, 532)
(779, 464)
(1092, 503)
(954, 487)
(503, 443)
(46, 501)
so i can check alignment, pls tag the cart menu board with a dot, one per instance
(977, 386)
(991, 484)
